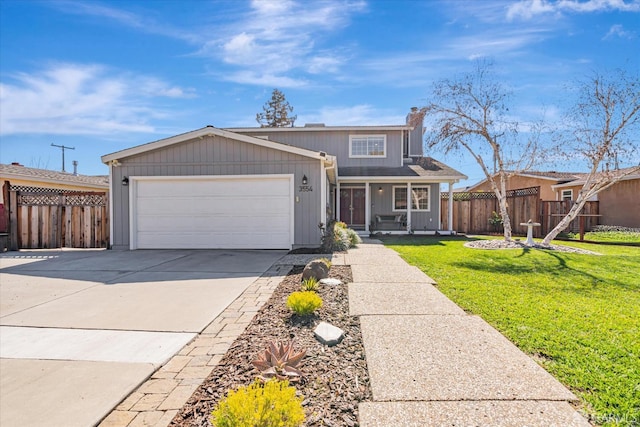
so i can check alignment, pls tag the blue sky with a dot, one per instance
(102, 76)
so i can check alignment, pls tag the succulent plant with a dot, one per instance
(280, 361)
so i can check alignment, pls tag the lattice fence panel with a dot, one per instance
(26, 199)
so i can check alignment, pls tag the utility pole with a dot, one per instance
(63, 148)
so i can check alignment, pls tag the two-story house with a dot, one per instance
(263, 188)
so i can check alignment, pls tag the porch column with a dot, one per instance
(367, 205)
(409, 203)
(337, 215)
(450, 209)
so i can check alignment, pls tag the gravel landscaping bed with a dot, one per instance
(503, 244)
(336, 378)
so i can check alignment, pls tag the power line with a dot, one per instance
(63, 148)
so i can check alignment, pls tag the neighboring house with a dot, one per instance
(544, 180)
(273, 188)
(619, 204)
(25, 178)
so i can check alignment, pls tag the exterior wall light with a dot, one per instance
(125, 180)
(380, 189)
(305, 181)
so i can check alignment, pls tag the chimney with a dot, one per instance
(15, 164)
(415, 116)
(75, 167)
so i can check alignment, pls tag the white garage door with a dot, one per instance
(230, 212)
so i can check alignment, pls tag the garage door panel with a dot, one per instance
(205, 187)
(209, 212)
(208, 224)
(223, 205)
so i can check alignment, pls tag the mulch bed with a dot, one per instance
(336, 378)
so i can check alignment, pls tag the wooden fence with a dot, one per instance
(553, 211)
(472, 210)
(46, 219)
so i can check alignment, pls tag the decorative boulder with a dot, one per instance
(328, 334)
(317, 269)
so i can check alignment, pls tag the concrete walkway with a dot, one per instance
(432, 364)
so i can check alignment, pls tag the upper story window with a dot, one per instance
(368, 146)
(567, 195)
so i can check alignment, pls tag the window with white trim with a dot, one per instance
(367, 146)
(419, 199)
(567, 195)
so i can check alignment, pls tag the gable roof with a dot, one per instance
(319, 127)
(53, 177)
(211, 131)
(422, 168)
(623, 174)
(557, 177)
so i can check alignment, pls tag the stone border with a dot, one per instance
(156, 401)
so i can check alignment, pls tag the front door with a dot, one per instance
(352, 205)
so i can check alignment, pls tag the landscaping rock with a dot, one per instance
(331, 282)
(328, 334)
(317, 269)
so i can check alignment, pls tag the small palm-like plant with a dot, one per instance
(309, 284)
(280, 361)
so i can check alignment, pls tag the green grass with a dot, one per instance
(576, 315)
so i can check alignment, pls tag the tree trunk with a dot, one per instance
(564, 222)
(506, 221)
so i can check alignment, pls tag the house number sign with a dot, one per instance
(306, 188)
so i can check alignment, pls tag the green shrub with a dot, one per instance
(272, 404)
(341, 239)
(606, 228)
(304, 303)
(309, 284)
(354, 239)
(335, 237)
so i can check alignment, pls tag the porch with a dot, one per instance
(391, 207)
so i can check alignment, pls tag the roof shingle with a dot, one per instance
(62, 177)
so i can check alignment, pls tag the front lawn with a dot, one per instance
(577, 315)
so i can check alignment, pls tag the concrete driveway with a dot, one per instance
(80, 329)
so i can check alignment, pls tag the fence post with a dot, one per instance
(14, 238)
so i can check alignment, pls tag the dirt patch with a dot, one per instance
(336, 378)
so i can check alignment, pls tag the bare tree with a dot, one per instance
(601, 129)
(470, 113)
(275, 112)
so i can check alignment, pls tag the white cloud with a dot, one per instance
(264, 79)
(82, 100)
(129, 19)
(357, 115)
(618, 31)
(273, 41)
(323, 64)
(278, 39)
(527, 9)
